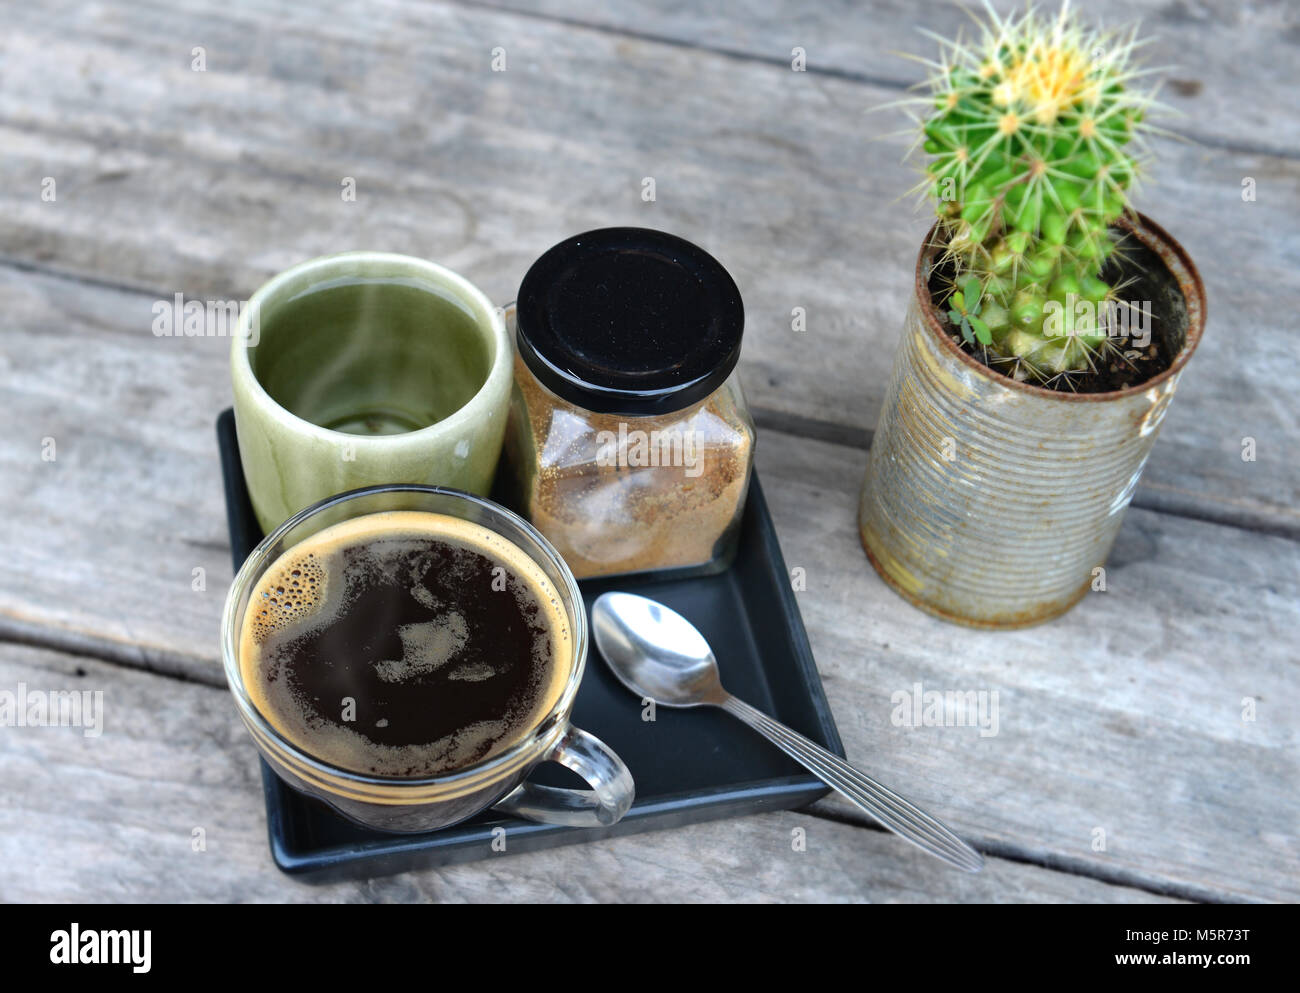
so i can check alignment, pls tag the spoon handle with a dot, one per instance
(883, 804)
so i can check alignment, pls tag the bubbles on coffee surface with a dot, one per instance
(287, 595)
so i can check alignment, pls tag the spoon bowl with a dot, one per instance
(655, 652)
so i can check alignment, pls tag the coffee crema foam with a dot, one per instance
(450, 641)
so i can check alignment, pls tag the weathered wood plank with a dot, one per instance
(1124, 715)
(235, 172)
(112, 819)
(116, 541)
(1221, 56)
(1156, 712)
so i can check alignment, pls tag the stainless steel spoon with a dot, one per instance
(658, 654)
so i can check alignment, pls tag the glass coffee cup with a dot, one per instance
(406, 803)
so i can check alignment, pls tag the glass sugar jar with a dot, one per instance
(629, 444)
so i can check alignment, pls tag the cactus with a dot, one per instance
(1034, 136)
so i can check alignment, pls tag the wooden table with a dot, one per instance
(1124, 768)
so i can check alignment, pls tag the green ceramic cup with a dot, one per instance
(362, 369)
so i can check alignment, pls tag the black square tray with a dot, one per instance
(689, 765)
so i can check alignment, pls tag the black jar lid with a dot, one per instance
(629, 321)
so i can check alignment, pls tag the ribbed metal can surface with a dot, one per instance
(991, 502)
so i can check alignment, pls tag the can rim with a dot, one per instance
(1154, 237)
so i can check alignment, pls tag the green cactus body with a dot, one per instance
(1030, 137)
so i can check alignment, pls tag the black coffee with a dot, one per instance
(405, 644)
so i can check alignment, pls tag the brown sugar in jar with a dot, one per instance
(629, 444)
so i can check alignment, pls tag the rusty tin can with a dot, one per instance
(991, 502)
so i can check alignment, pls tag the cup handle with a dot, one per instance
(609, 798)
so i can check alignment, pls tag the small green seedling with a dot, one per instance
(964, 309)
